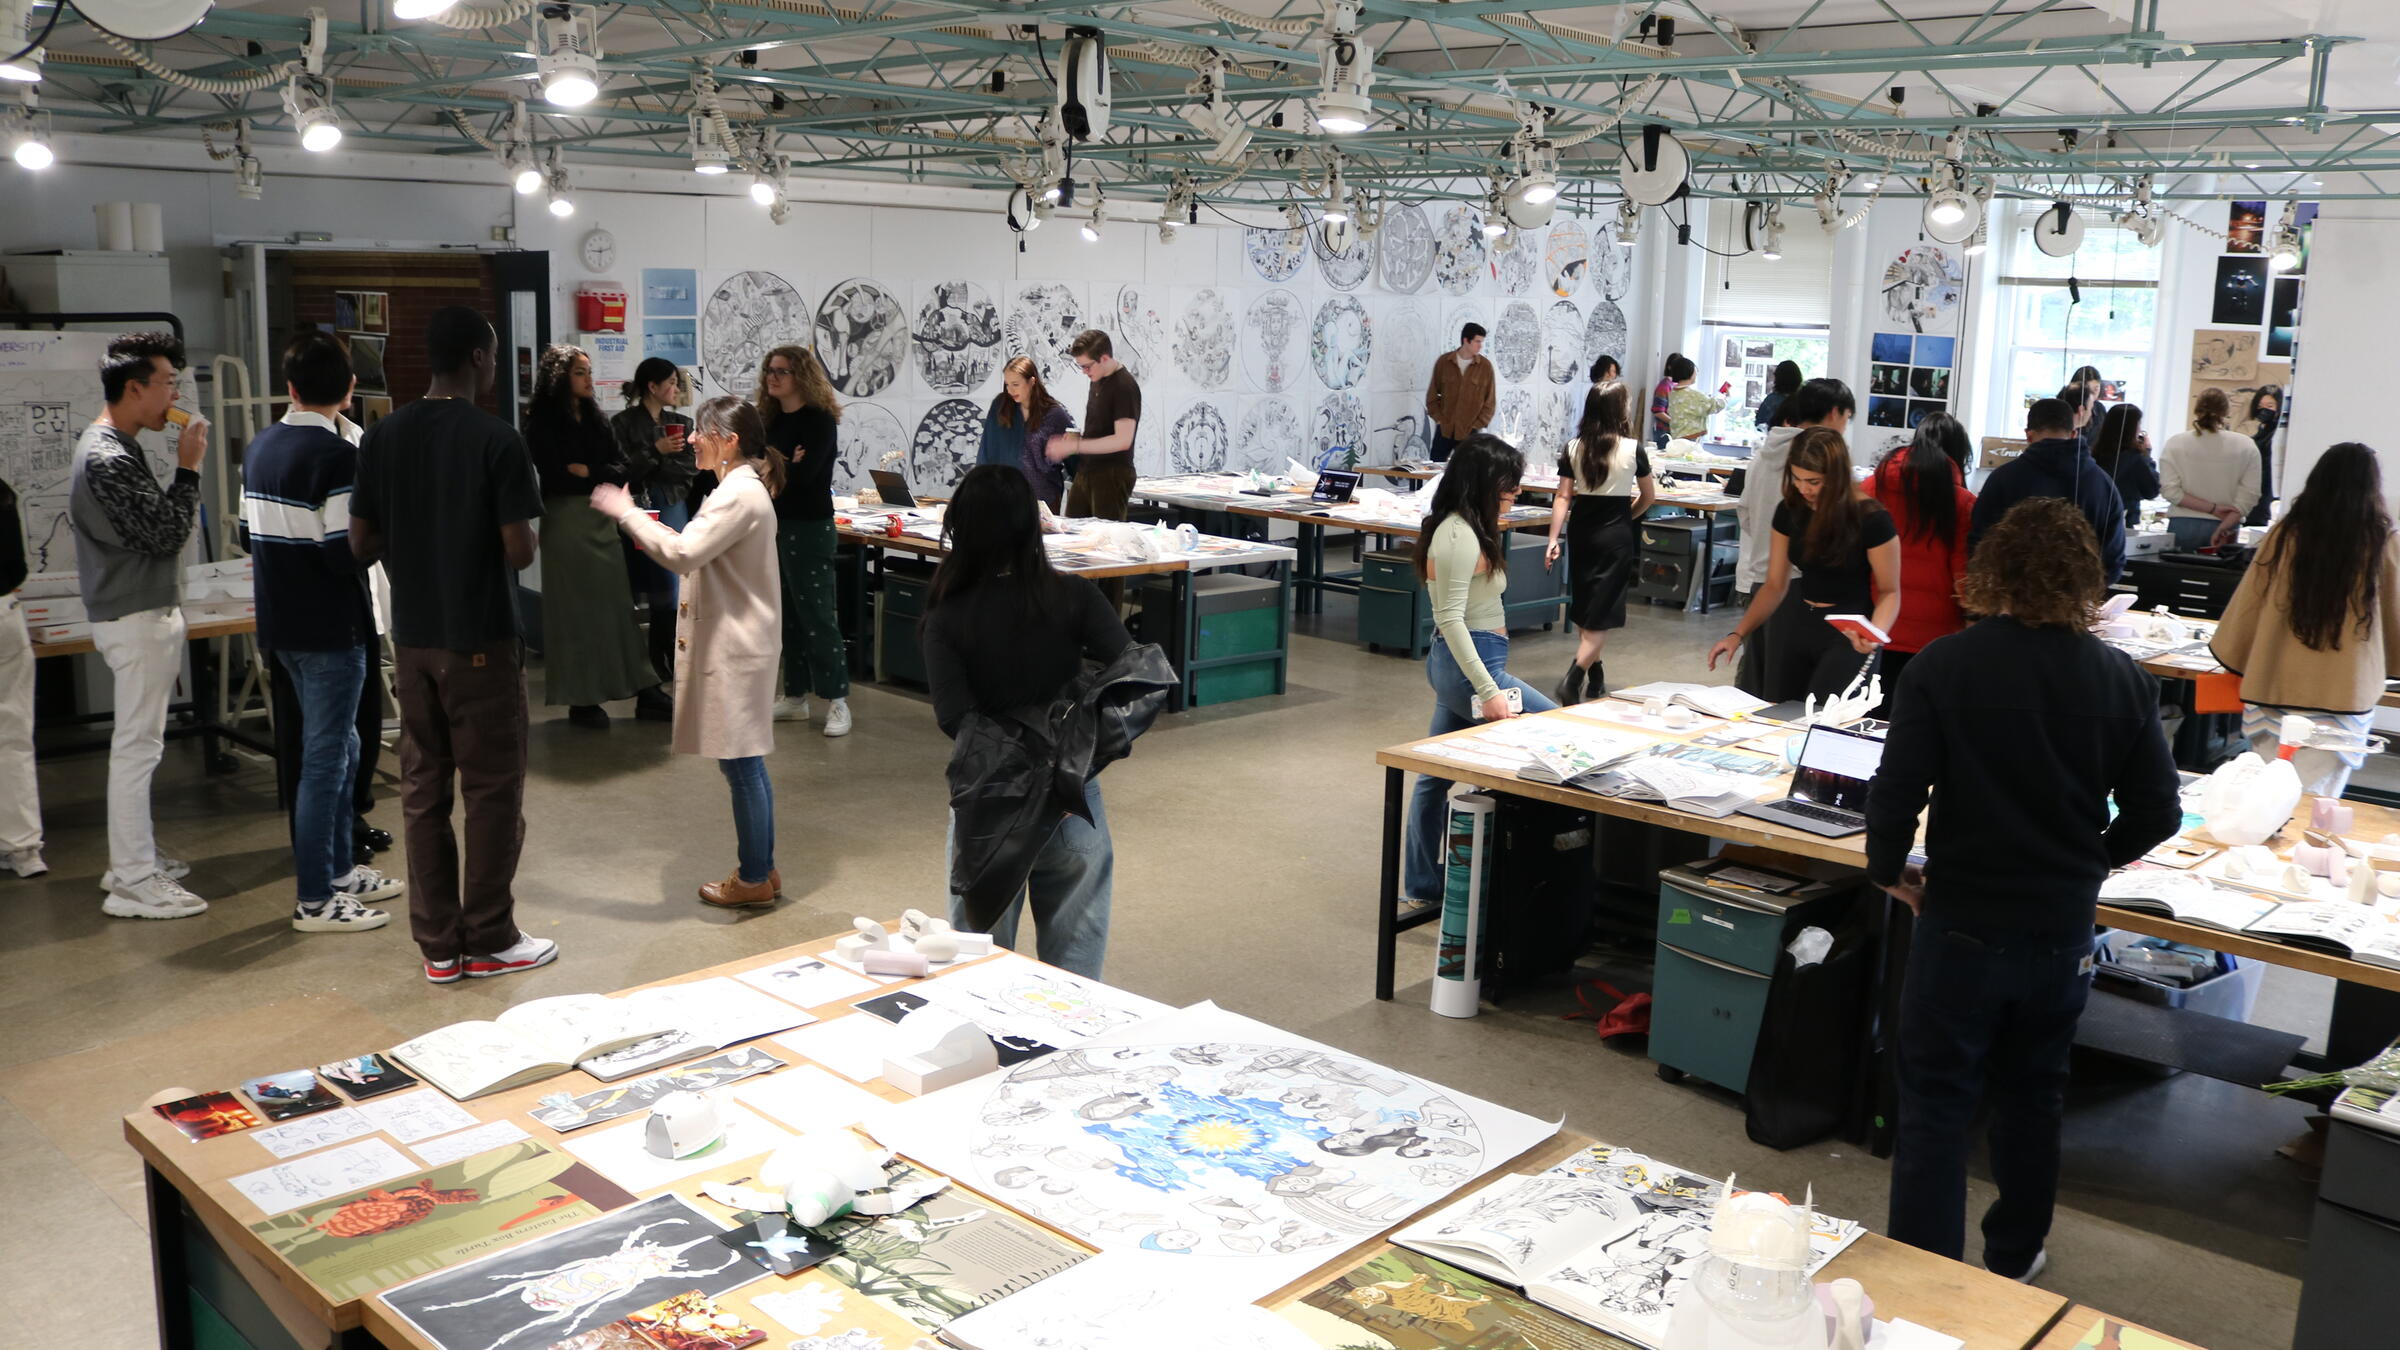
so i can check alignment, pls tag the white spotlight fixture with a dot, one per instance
(15, 17)
(708, 153)
(1981, 241)
(524, 175)
(249, 179)
(1629, 222)
(567, 55)
(1337, 197)
(420, 9)
(561, 205)
(310, 106)
(1025, 212)
(1762, 223)
(27, 131)
(1342, 104)
(1293, 217)
(1495, 221)
(1213, 116)
(1091, 228)
(2283, 250)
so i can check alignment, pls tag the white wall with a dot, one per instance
(2343, 388)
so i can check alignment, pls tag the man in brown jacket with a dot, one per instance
(1463, 393)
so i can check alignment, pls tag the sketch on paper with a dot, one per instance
(1460, 256)
(1562, 337)
(1270, 340)
(1404, 248)
(1518, 267)
(1401, 432)
(564, 1111)
(1204, 339)
(1515, 422)
(1340, 425)
(1516, 343)
(957, 337)
(1555, 413)
(1403, 347)
(2225, 356)
(1045, 317)
(1199, 442)
(871, 438)
(1341, 343)
(944, 447)
(748, 315)
(1612, 265)
(1922, 288)
(49, 391)
(862, 337)
(1472, 312)
(1275, 254)
(1568, 256)
(1604, 333)
(1270, 434)
(1344, 268)
(1141, 331)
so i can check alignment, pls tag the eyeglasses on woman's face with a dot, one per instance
(780, 372)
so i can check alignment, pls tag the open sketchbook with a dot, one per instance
(525, 1044)
(1717, 700)
(2364, 933)
(1678, 784)
(697, 1017)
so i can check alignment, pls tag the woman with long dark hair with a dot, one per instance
(653, 441)
(1923, 485)
(1848, 552)
(728, 628)
(2314, 628)
(2209, 475)
(1462, 557)
(795, 401)
(2122, 450)
(1604, 485)
(1003, 630)
(1019, 429)
(2264, 414)
(1787, 383)
(591, 651)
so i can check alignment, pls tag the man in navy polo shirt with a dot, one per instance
(315, 619)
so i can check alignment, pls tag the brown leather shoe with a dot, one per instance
(735, 893)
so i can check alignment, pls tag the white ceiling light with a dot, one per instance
(567, 55)
(249, 179)
(708, 153)
(16, 17)
(1025, 213)
(1213, 117)
(420, 9)
(2283, 250)
(1980, 242)
(766, 182)
(1762, 229)
(524, 175)
(1495, 220)
(561, 205)
(1091, 228)
(1342, 103)
(27, 131)
(1629, 222)
(310, 105)
(1950, 209)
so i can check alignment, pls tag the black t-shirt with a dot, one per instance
(985, 650)
(1846, 583)
(1114, 395)
(440, 477)
(558, 440)
(808, 481)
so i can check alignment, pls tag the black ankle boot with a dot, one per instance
(1595, 685)
(1570, 686)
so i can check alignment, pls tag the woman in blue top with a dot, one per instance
(1018, 431)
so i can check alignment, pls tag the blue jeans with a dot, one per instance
(1982, 1014)
(2191, 533)
(753, 815)
(1453, 710)
(326, 685)
(1069, 891)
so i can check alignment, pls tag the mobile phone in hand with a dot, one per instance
(1725, 388)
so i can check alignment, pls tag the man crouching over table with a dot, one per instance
(2021, 727)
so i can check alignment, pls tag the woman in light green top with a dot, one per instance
(1463, 558)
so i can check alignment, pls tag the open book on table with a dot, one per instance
(1717, 700)
(2364, 933)
(525, 1044)
(2185, 898)
(697, 1017)
(1679, 784)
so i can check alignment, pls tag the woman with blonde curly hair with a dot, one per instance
(592, 652)
(803, 420)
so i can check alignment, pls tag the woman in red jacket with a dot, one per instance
(1923, 485)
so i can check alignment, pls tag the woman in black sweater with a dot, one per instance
(803, 419)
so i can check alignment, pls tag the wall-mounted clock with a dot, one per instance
(599, 251)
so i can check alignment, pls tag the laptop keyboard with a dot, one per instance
(1812, 811)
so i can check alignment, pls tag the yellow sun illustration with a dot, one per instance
(1216, 1136)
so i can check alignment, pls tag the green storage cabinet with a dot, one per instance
(1536, 595)
(1240, 646)
(1717, 946)
(1394, 611)
(898, 654)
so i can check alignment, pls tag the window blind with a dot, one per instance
(1795, 289)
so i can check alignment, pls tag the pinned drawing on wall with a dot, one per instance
(1568, 256)
(1338, 433)
(944, 447)
(748, 315)
(1199, 441)
(1922, 289)
(1605, 333)
(1404, 249)
(2241, 294)
(1460, 256)
(1344, 268)
(670, 293)
(362, 311)
(1562, 341)
(1043, 317)
(1140, 337)
(2245, 226)
(1271, 340)
(1612, 266)
(2283, 318)
(1204, 339)
(862, 337)
(1269, 434)
(676, 340)
(1516, 342)
(1341, 343)
(1404, 346)
(1516, 418)
(1518, 268)
(1275, 253)
(2225, 355)
(957, 337)
(1399, 431)
(872, 438)
(1471, 312)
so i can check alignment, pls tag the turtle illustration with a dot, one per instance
(382, 1211)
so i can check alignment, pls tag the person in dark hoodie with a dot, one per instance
(2055, 464)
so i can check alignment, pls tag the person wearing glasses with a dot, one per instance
(1111, 412)
(803, 420)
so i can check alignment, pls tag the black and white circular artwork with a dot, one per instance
(1204, 339)
(871, 438)
(1605, 334)
(1271, 340)
(1341, 343)
(1141, 333)
(862, 337)
(1404, 249)
(1562, 341)
(1404, 346)
(957, 337)
(1612, 265)
(945, 443)
(1345, 268)
(1518, 267)
(1199, 441)
(1044, 319)
(1340, 425)
(1551, 426)
(1270, 434)
(1568, 257)
(748, 315)
(1472, 312)
(1402, 431)
(1516, 344)
(1460, 257)
(1276, 254)
(1516, 421)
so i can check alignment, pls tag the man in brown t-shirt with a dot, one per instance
(1104, 476)
(1462, 394)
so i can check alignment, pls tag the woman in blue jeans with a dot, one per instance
(1462, 556)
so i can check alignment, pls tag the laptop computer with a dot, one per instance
(1829, 788)
(1334, 486)
(892, 487)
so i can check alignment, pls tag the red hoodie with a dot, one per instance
(1929, 568)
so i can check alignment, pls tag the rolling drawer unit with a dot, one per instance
(1394, 612)
(1670, 568)
(1717, 947)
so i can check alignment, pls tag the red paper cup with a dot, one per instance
(637, 544)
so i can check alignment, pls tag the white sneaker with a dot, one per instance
(527, 953)
(339, 915)
(2041, 1261)
(791, 709)
(153, 897)
(25, 862)
(173, 869)
(837, 717)
(365, 883)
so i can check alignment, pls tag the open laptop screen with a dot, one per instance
(1835, 767)
(1335, 486)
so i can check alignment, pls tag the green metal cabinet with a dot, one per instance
(1717, 947)
(1394, 613)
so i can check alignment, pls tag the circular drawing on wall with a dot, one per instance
(1612, 265)
(862, 337)
(1515, 422)
(1403, 347)
(945, 443)
(1552, 424)
(1270, 434)
(1516, 341)
(1472, 312)
(1343, 268)
(1271, 340)
(1519, 266)
(871, 438)
(1141, 336)
(1341, 422)
(1204, 340)
(1342, 342)
(1275, 254)
(957, 338)
(1459, 255)
(1921, 289)
(1199, 441)
(1045, 318)
(1562, 340)
(1568, 257)
(1404, 248)
(1604, 334)
(747, 316)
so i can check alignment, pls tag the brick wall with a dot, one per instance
(414, 284)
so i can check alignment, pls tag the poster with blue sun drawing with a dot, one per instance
(1205, 1136)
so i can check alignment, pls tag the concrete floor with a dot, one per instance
(1245, 840)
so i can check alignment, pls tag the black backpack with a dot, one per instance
(12, 540)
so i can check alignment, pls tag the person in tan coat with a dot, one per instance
(1463, 393)
(2314, 628)
(728, 628)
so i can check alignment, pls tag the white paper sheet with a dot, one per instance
(422, 1114)
(616, 1152)
(1110, 1302)
(310, 1133)
(807, 1099)
(467, 1143)
(853, 1046)
(1013, 996)
(288, 1185)
(805, 981)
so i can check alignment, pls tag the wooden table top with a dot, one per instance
(1099, 571)
(1289, 506)
(2373, 821)
(2191, 667)
(2080, 1322)
(194, 631)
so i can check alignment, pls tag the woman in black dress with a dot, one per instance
(1604, 485)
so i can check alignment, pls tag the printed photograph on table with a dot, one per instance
(688, 1321)
(208, 1115)
(2245, 226)
(364, 1076)
(2283, 317)
(2240, 299)
(1887, 380)
(289, 1095)
(562, 1111)
(940, 1258)
(1887, 412)
(1403, 1300)
(670, 293)
(1893, 349)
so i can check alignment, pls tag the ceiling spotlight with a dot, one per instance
(1629, 222)
(1166, 231)
(1981, 241)
(1762, 225)
(1091, 228)
(2283, 251)
(1342, 104)
(310, 105)
(1951, 208)
(1947, 207)
(1495, 222)
(561, 205)
(1050, 193)
(766, 183)
(420, 9)
(27, 131)
(1536, 181)
(249, 179)
(708, 153)
(24, 66)
(524, 175)
(1213, 116)
(567, 57)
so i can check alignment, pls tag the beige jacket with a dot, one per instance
(729, 624)
(2255, 641)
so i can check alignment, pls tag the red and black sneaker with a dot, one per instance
(444, 972)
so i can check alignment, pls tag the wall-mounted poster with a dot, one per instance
(1891, 348)
(366, 362)
(2241, 295)
(1929, 382)
(2224, 355)
(670, 293)
(1887, 412)
(2245, 225)
(362, 311)
(1922, 288)
(678, 340)
(2283, 318)
(1887, 380)
(1937, 351)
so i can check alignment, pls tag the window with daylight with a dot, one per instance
(2047, 329)
(1756, 312)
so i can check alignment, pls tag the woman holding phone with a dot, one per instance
(652, 440)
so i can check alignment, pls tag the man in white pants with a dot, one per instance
(20, 804)
(129, 538)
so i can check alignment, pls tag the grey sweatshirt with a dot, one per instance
(129, 531)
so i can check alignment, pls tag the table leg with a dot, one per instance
(208, 705)
(1708, 555)
(1187, 626)
(1283, 626)
(1312, 568)
(170, 1277)
(1387, 891)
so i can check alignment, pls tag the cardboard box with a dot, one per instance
(42, 585)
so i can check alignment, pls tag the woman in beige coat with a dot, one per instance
(728, 628)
